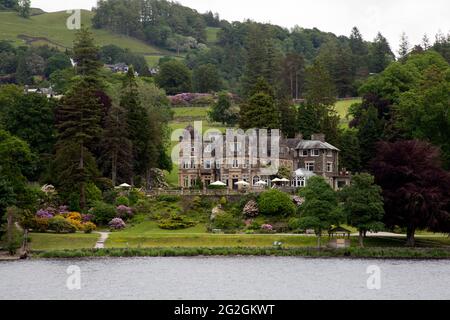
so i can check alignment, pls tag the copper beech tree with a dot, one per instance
(416, 189)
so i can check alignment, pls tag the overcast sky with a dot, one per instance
(391, 17)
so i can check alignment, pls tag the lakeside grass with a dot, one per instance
(52, 241)
(356, 253)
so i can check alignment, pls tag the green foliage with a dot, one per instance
(60, 225)
(222, 110)
(320, 210)
(206, 78)
(168, 198)
(350, 156)
(275, 203)
(176, 222)
(93, 194)
(363, 203)
(259, 112)
(122, 201)
(174, 77)
(103, 212)
(227, 222)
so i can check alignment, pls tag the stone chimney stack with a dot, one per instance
(299, 136)
(318, 137)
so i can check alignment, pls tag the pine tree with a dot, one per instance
(380, 54)
(369, 133)
(320, 89)
(78, 122)
(139, 128)
(86, 55)
(260, 111)
(404, 47)
(116, 147)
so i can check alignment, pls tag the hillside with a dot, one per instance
(50, 28)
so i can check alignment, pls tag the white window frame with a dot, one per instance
(313, 151)
(207, 164)
(330, 166)
(235, 164)
(309, 163)
(304, 153)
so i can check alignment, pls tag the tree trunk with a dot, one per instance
(114, 168)
(361, 238)
(82, 184)
(410, 241)
(319, 240)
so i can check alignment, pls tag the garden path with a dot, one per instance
(101, 242)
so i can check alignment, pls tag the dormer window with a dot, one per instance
(315, 153)
(303, 153)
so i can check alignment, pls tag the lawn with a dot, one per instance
(51, 241)
(342, 108)
(211, 34)
(50, 28)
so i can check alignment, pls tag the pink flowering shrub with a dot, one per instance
(267, 227)
(124, 212)
(298, 201)
(44, 214)
(117, 224)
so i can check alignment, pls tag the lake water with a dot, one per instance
(201, 278)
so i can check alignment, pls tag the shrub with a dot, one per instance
(124, 212)
(76, 223)
(117, 224)
(122, 201)
(103, 212)
(88, 227)
(75, 216)
(143, 206)
(223, 201)
(44, 214)
(168, 198)
(275, 202)
(87, 217)
(267, 227)
(226, 221)
(294, 224)
(61, 225)
(135, 196)
(251, 209)
(40, 224)
(176, 222)
(93, 194)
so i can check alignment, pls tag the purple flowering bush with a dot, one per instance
(267, 227)
(124, 212)
(87, 217)
(44, 214)
(190, 99)
(117, 224)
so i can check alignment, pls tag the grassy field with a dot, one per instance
(51, 241)
(342, 108)
(211, 34)
(51, 29)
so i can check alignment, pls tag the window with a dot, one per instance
(304, 153)
(207, 164)
(218, 164)
(235, 163)
(186, 165)
(208, 148)
(256, 179)
(329, 166)
(298, 182)
(193, 164)
(315, 153)
(309, 166)
(186, 182)
(246, 164)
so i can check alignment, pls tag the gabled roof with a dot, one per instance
(315, 144)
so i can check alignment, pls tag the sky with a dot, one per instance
(390, 17)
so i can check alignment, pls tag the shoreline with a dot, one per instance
(389, 253)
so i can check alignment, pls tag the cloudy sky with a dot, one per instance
(391, 17)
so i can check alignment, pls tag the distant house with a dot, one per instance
(48, 92)
(304, 158)
(117, 68)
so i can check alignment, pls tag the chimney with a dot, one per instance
(299, 136)
(318, 137)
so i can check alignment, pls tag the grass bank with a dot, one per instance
(357, 253)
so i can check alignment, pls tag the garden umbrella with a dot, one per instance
(218, 184)
(276, 180)
(261, 183)
(125, 185)
(242, 183)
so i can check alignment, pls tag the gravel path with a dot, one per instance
(101, 242)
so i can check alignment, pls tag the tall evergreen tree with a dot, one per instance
(380, 54)
(369, 133)
(138, 126)
(86, 55)
(404, 47)
(78, 122)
